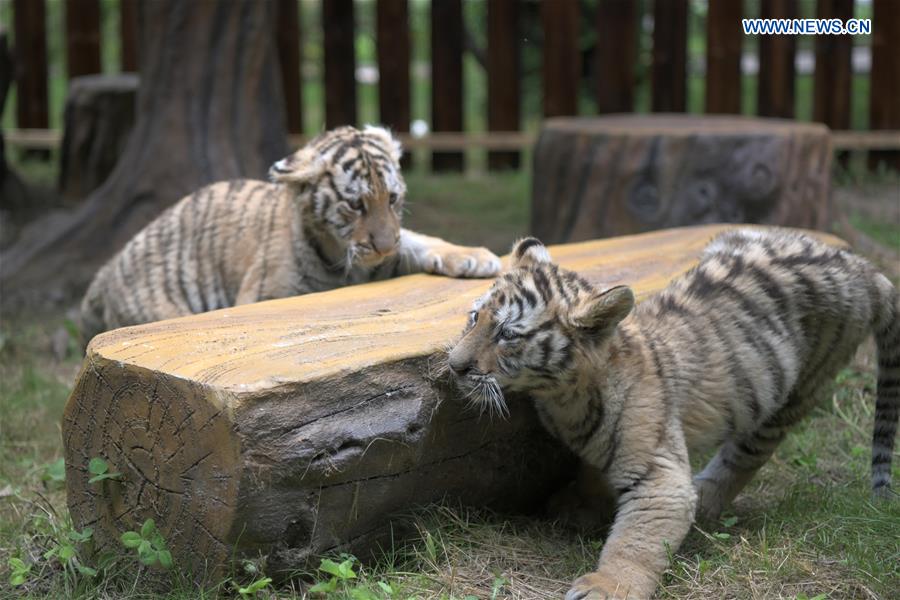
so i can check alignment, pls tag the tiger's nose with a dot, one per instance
(384, 244)
(460, 367)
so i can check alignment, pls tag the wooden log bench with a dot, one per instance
(597, 177)
(307, 425)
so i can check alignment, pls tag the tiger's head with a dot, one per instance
(528, 330)
(350, 182)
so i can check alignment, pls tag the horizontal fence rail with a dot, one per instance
(594, 58)
(49, 139)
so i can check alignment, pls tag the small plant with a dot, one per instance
(54, 472)
(18, 571)
(99, 468)
(66, 551)
(150, 545)
(251, 590)
(340, 574)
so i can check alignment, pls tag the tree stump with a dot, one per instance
(99, 117)
(621, 174)
(312, 424)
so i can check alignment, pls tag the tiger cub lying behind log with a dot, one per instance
(330, 217)
(729, 355)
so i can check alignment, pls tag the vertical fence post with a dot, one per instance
(884, 91)
(724, 37)
(446, 77)
(287, 38)
(833, 76)
(775, 90)
(82, 37)
(562, 63)
(617, 29)
(503, 76)
(31, 65)
(392, 40)
(340, 63)
(128, 35)
(669, 68)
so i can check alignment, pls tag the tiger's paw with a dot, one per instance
(462, 261)
(597, 586)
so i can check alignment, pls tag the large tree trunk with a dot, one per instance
(312, 424)
(621, 174)
(209, 108)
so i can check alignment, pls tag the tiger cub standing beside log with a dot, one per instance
(729, 355)
(331, 217)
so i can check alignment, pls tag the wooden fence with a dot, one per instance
(618, 32)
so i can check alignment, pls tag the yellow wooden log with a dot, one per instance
(303, 425)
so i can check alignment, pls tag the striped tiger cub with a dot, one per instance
(728, 356)
(330, 217)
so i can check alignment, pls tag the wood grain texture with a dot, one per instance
(447, 78)
(621, 174)
(340, 63)
(724, 37)
(617, 46)
(668, 71)
(312, 424)
(82, 37)
(884, 106)
(503, 76)
(775, 94)
(562, 60)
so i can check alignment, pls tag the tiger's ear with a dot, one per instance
(391, 144)
(604, 310)
(529, 251)
(300, 167)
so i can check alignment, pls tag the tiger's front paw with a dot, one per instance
(596, 586)
(462, 261)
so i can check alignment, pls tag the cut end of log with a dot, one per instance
(176, 453)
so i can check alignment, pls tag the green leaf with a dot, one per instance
(165, 559)
(97, 478)
(149, 558)
(98, 466)
(255, 586)
(362, 594)
(66, 552)
(82, 537)
(722, 535)
(144, 548)
(148, 528)
(330, 567)
(51, 553)
(325, 587)
(386, 588)
(55, 471)
(17, 565)
(430, 546)
(158, 541)
(17, 579)
(729, 521)
(346, 569)
(131, 539)
(86, 571)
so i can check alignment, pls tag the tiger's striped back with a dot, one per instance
(330, 217)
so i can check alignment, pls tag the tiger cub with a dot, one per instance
(729, 355)
(330, 217)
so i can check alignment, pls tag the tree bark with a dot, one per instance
(607, 176)
(98, 120)
(312, 424)
(209, 108)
